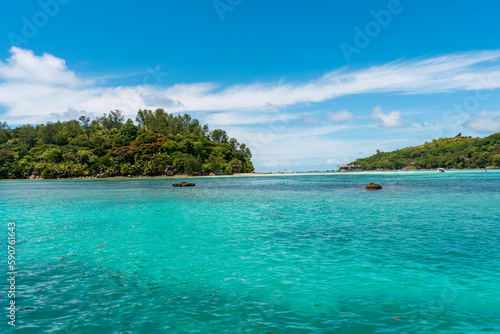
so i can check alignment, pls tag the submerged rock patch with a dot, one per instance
(183, 184)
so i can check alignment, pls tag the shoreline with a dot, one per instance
(178, 176)
(128, 177)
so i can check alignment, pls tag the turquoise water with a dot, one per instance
(257, 254)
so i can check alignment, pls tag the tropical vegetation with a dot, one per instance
(456, 152)
(111, 145)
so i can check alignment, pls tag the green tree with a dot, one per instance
(496, 160)
(128, 132)
(247, 154)
(178, 161)
(113, 120)
(170, 147)
(81, 141)
(219, 136)
(72, 128)
(84, 121)
(27, 135)
(192, 164)
(86, 147)
(247, 167)
(215, 163)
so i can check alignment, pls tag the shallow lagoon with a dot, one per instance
(300, 253)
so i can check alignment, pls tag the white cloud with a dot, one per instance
(35, 88)
(244, 117)
(390, 120)
(340, 116)
(484, 123)
(24, 66)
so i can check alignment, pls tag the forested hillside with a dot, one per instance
(456, 152)
(111, 145)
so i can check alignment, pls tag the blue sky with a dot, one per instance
(305, 85)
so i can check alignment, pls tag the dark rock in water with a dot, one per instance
(102, 175)
(373, 186)
(183, 184)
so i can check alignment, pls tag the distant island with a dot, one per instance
(161, 144)
(457, 152)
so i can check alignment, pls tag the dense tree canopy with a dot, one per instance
(457, 152)
(111, 145)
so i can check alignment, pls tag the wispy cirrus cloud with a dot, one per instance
(246, 118)
(32, 88)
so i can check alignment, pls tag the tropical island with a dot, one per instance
(458, 152)
(161, 144)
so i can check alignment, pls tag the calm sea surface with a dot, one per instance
(305, 253)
